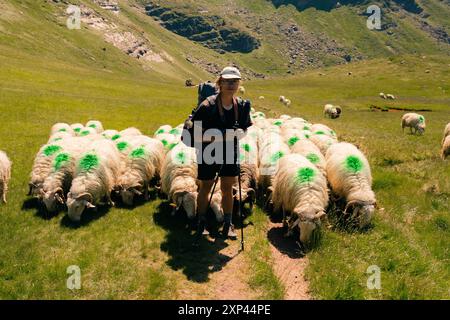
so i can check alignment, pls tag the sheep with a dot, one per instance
(144, 164)
(445, 151)
(241, 90)
(163, 129)
(59, 136)
(76, 127)
(281, 98)
(331, 111)
(310, 151)
(130, 132)
(5, 175)
(323, 142)
(261, 98)
(300, 189)
(87, 131)
(414, 120)
(168, 140)
(291, 136)
(96, 125)
(59, 180)
(42, 166)
(446, 131)
(61, 127)
(350, 177)
(287, 102)
(285, 117)
(95, 178)
(295, 123)
(178, 179)
(390, 96)
(319, 128)
(382, 95)
(216, 202)
(109, 134)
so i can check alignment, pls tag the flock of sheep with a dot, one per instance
(289, 162)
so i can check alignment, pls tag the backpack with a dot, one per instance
(205, 90)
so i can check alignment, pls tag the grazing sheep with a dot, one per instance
(445, 151)
(59, 136)
(163, 129)
(241, 90)
(143, 164)
(281, 98)
(109, 134)
(382, 95)
(292, 136)
(178, 179)
(96, 125)
(5, 175)
(287, 102)
(88, 131)
(300, 189)
(390, 96)
(319, 128)
(261, 98)
(130, 132)
(311, 152)
(446, 131)
(168, 140)
(331, 111)
(350, 178)
(95, 178)
(285, 117)
(414, 121)
(61, 127)
(323, 142)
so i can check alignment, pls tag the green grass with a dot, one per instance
(144, 253)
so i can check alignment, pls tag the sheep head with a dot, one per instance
(77, 205)
(52, 198)
(129, 193)
(361, 212)
(187, 200)
(309, 223)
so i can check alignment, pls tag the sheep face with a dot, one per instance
(35, 189)
(77, 205)
(187, 200)
(128, 195)
(309, 224)
(52, 199)
(361, 212)
(421, 128)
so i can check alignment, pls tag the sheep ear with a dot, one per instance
(319, 215)
(90, 205)
(85, 196)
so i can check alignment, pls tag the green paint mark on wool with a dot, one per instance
(307, 136)
(160, 131)
(181, 157)
(421, 119)
(246, 147)
(138, 153)
(174, 131)
(164, 142)
(313, 158)
(62, 130)
(276, 156)
(122, 145)
(278, 123)
(92, 126)
(306, 128)
(56, 139)
(60, 160)
(353, 164)
(115, 137)
(77, 130)
(305, 175)
(51, 150)
(319, 132)
(172, 145)
(293, 141)
(84, 133)
(88, 162)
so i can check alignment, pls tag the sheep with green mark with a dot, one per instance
(322, 129)
(61, 135)
(179, 179)
(87, 131)
(76, 127)
(61, 127)
(5, 175)
(413, 121)
(162, 129)
(350, 178)
(95, 177)
(167, 140)
(96, 125)
(300, 191)
(130, 132)
(294, 124)
(142, 165)
(110, 133)
(310, 151)
(323, 142)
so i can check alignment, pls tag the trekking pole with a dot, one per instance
(239, 185)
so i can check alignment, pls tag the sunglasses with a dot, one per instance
(230, 81)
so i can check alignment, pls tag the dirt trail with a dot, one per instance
(289, 266)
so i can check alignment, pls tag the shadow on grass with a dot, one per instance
(285, 245)
(195, 262)
(138, 201)
(87, 217)
(33, 204)
(340, 222)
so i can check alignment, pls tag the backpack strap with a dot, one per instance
(220, 107)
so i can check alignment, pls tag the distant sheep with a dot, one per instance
(241, 90)
(300, 189)
(61, 127)
(382, 95)
(331, 111)
(445, 151)
(390, 96)
(96, 125)
(350, 177)
(5, 175)
(414, 121)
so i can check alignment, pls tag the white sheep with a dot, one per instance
(241, 90)
(292, 136)
(143, 164)
(446, 131)
(130, 132)
(331, 111)
(61, 127)
(168, 140)
(350, 177)
(59, 136)
(382, 95)
(163, 129)
(95, 178)
(323, 142)
(414, 121)
(319, 128)
(261, 98)
(390, 96)
(5, 175)
(287, 102)
(281, 98)
(110, 133)
(445, 150)
(311, 152)
(88, 131)
(285, 117)
(96, 125)
(300, 189)
(178, 179)
(76, 127)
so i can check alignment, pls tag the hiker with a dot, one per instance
(222, 111)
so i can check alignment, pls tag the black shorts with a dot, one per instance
(208, 171)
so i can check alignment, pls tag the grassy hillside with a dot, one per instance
(51, 74)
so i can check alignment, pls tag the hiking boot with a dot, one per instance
(228, 231)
